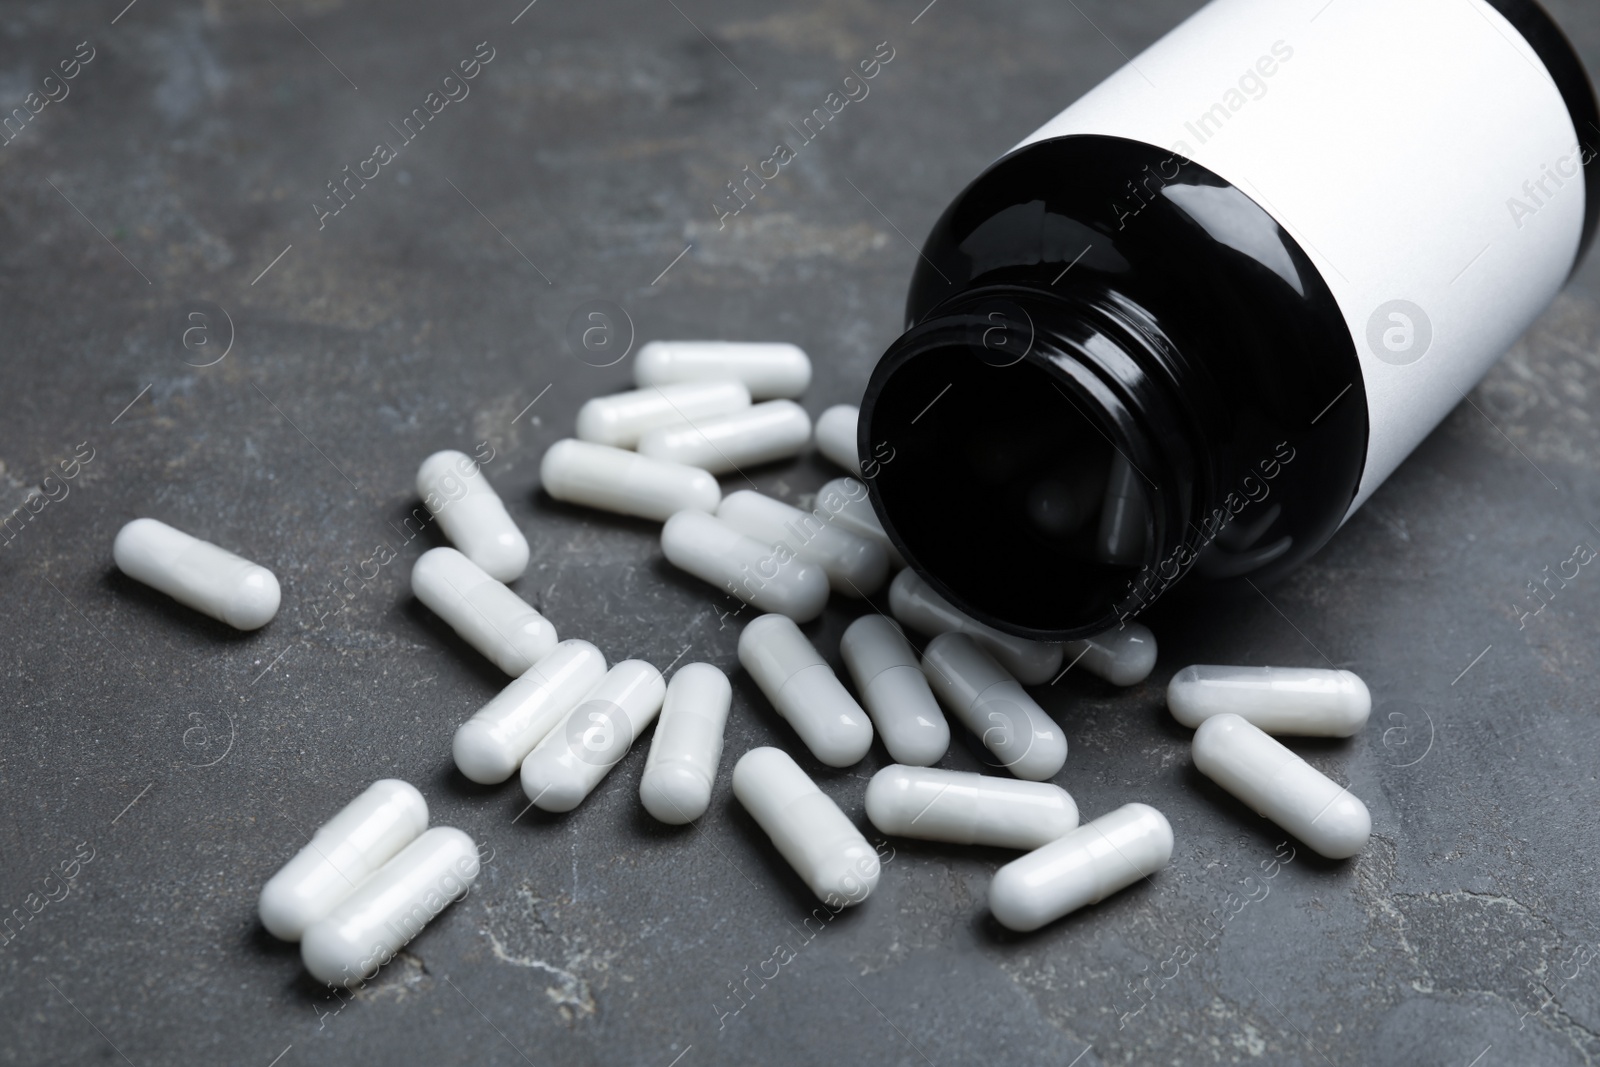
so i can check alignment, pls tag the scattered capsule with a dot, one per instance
(491, 745)
(1083, 867)
(487, 615)
(836, 436)
(846, 500)
(765, 576)
(769, 369)
(471, 514)
(1308, 701)
(805, 691)
(855, 566)
(968, 809)
(621, 419)
(391, 907)
(914, 603)
(682, 765)
(573, 758)
(1121, 537)
(357, 841)
(615, 479)
(887, 675)
(197, 574)
(821, 844)
(991, 704)
(1123, 655)
(1278, 784)
(775, 430)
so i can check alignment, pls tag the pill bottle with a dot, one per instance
(1193, 321)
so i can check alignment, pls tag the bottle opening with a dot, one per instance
(1008, 487)
(1096, 395)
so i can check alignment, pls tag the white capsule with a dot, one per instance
(991, 703)
(492, 744)
(615, 479)
(819, 841)
(769, 369)
(887, 675)
(1278, 784)
(846, 500)
(621, 419)
(914, 603)
(573, 758)
(682, 765)
(197, 574)
(1122, 655)
(472, 515)
(390, 908)
(1308, 701)
(1121, 536)
(1083, 867)
(805, 691)
(854, 565)
(357, 841)
(751, 570)
(836, 436)
(487, 615)
(1057, 507)
(775, 430)
(968, 809)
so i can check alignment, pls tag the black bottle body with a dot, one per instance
(1121, 368)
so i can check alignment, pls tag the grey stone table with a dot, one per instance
(194, 332)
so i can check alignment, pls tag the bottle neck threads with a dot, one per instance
(1053, 459)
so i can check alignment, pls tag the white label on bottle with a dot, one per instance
(1418, 152)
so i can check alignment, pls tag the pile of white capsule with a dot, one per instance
(374, 874)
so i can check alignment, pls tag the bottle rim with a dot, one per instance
(1113, 370)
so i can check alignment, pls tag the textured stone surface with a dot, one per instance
(190, 761)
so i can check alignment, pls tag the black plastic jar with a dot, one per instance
(1195, 320)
